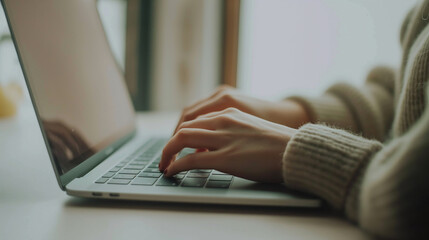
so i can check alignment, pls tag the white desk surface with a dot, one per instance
(32, 206)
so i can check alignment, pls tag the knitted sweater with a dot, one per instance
(368, 153)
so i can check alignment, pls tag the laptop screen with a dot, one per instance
(77, 88)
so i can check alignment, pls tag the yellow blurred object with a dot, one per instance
(9, 98)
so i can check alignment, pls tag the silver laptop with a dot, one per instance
(88, 122)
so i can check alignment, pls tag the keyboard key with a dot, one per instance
(129, 171)
(101, 180)
(142, 147)
(144, 181)
(198, 175)
(147, 153)
(124, 176)
(119, 181)
(129, 158)
(152, 170)
(194, 182)
(135, 167)
(143, 158)
(172, 182)
(140, 161)
(215, 172)
(109, 174)
(220, 178)
(121, 165)
(179, 176)
(153, 165)
(150, 175)
(136, 164)
(218, 184)
(115, 169)
(201, 171)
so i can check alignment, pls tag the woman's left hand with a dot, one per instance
(237, 143)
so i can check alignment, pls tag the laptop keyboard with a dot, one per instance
(141, 168)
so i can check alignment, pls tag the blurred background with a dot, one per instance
(174, 52)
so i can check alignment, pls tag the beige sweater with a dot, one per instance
(368, 154)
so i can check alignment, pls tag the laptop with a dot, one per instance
(88, 122)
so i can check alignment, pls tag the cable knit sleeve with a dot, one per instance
(382, 187)
(328, 162)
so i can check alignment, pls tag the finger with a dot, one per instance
(213, 105)
(202, 160)
(218, 91)
(210, 121)
(217, 102)
(200, 123)
(217, 113)
(200, 103)
(188, 138)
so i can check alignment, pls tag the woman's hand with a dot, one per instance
(237, 143)
(288, 113)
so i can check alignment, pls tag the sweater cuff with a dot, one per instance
(328, 109)
(329, 163)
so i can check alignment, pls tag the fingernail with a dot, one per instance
(165, 171)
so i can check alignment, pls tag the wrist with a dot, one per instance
(292, 113)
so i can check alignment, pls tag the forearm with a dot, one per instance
(327, 109)
(290, 113)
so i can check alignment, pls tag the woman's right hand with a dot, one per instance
(288, 113)
(237, 143)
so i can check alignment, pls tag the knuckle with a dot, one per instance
(225, 111)
(182, 133)
(232, 110)
(227, 118)
(183, 125)
(224, 120)
(227, 96)
(164, 152)
(187, 117)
